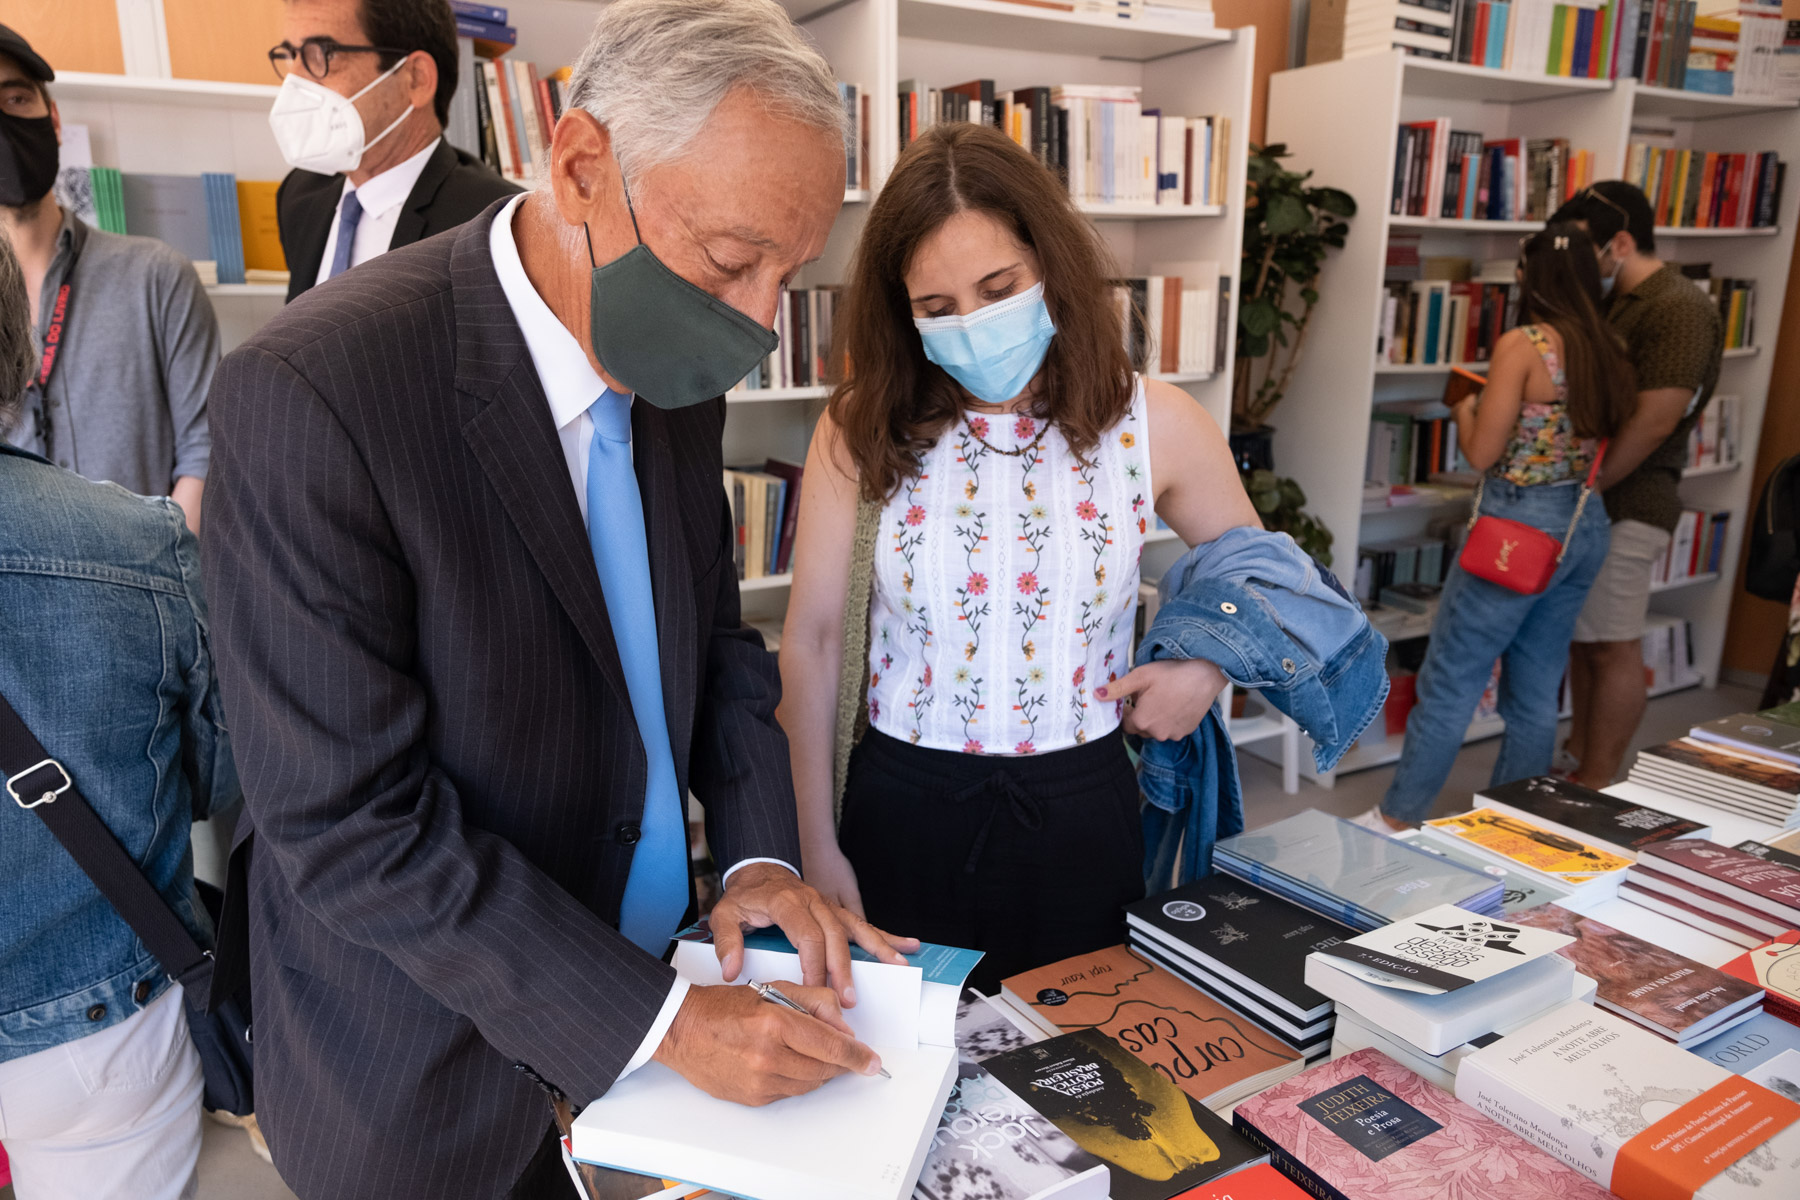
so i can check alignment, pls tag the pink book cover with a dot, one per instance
(1732, 867)
(1372, 1130)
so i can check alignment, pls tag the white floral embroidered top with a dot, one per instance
(1005, 587)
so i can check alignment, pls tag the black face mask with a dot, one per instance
(29, 157)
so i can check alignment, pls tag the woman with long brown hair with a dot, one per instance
(1008, 462)
(1558, 385)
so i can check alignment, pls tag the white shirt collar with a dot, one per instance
(570, 381)
(389, 190)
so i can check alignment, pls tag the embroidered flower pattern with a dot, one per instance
(915, 515)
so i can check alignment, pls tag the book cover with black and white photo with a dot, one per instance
(1586, 815)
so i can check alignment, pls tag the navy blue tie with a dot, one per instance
(656, 890)
(349, 216)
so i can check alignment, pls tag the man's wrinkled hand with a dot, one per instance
(1168, 698)
(731, 1043)
(764, 894)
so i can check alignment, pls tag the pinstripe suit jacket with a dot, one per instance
(432, 726)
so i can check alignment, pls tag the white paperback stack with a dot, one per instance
(1419, 27)
(1436, 980)
(855, 1138)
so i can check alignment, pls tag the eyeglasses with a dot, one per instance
(1595, 194)
(316, 55)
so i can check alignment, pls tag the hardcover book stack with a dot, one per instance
(1443, 173)
(1704, 189)
(1736, 769)
(1668, 994)
(1362, 1127)
(1636, 1114)
(1587, 874)
(1212, 1052)
(1245, 948)
(1729, 893)
(765, 510)
(1350, 874)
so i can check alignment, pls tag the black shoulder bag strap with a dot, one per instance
(217, 1003)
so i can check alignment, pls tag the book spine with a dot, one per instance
(1284, 1162)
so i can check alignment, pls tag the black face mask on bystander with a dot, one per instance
(29, 157)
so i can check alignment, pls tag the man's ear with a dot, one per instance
(421, 75)
(55, 118)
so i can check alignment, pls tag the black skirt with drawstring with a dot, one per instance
(1030, 859)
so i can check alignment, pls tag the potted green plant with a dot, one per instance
(1290, 226)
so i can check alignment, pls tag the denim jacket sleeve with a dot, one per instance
(1272, 620)
(205, 742)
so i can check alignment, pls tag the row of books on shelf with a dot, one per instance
(227, 226)
(1736, 300)
(1193, 16)
(765, 509)
(1663, 43)
(1696, 548)
(1176, 322)
(1099, 139)
(1413, 567)
(803, 321)
(1440, 172)
(1713, 442)
(1414, 448)
(1441, 322)
(1703, 189)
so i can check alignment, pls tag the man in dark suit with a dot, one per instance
(478, 627)
(397, 58)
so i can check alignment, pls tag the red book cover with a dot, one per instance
(792, 472)
(1720, 908)
(514, 135)
(1773, 966)
(1664, 188)
(1709, 170)
(1728, 870)
(1734, 191)
(1653, 52)
(1481, 32)
(1364, 1126)
(1261, 1182)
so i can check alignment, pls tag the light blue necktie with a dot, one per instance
(349, 216)
(656, 890)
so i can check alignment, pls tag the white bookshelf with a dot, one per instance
(1339, 119)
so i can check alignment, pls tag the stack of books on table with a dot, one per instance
(1637, 1114)
(1774, 966)
(1215, 1054)
(1421, 990)
(1670, 995)
(1350, 874)
(1743, 765)
(1246, 948)
(1363, 1127)
(1729, 893)
(1519, 889)
(1531, 852)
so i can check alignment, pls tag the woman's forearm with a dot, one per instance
(808, 715)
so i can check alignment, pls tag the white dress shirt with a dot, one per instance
(381, 198)
(571, 385)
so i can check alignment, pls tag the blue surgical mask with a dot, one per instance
(1608, 280)
(993, 351)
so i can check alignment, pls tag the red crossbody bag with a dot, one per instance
(1515, 555)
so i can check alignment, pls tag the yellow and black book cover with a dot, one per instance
(1158, 1141)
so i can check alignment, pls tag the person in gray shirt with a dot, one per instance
(125, 333)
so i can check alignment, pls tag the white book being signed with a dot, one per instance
(855, 1138)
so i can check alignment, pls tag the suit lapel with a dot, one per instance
(671, 576)
(513, 439)
(314, 209)
(410, 226)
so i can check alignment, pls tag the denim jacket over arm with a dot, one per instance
(1273, 620)
(103, 654)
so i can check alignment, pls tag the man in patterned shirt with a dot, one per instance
(1675, 339)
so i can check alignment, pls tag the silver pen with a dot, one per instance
(775, 995)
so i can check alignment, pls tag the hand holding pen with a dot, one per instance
(775, 995)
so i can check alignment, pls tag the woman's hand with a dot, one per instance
(1168, 699)
(1464, 412)
(832, 876)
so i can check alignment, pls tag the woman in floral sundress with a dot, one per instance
(1557, 384)
(993, 415)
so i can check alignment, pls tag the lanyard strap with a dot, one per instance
(53, 335)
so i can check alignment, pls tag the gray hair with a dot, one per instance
(18, 357)
(653, 71)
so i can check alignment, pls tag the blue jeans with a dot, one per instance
(1478, 622)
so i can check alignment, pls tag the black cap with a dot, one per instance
(11, 43)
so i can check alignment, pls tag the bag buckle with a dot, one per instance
(13, 790)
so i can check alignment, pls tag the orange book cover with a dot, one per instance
(257, 223)
(1171, 331)
(1186, 1035)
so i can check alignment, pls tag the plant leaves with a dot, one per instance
(1287, 214)
(1259, 317)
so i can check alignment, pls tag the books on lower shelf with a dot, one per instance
(1098, 138)
(1175, 319)
(225, 225)
(1350, 874)
(1408, 448)
(1213, 1053)
(1158, 1141)
(1451, 174)
(1244, 946)
(1631, 1111)
(1714, 439)
(1702, 189)
(803, 322)
(1444, 322)
(1363, 1127)
(1697, 547)
(1582, 814)
(765, 507)
(1380, 566)
(1670, 995)
(1736, 301)
(1740, 782)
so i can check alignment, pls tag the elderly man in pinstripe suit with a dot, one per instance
(478, 628)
